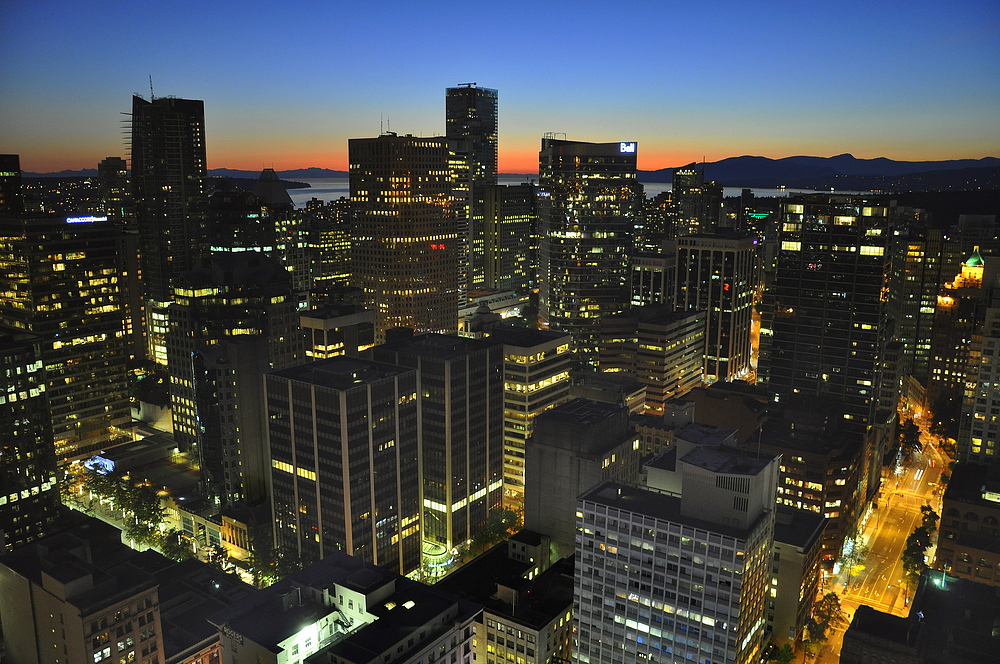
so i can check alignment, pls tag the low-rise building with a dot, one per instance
(969, 531)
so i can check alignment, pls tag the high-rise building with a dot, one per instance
(716, 274)
(652, 278)
(406, 238)
(168, 186)
(471, 130)
(957, 318)
(460, 388)
(328, 241)
(699, 566)
(979, 428)
(112, 179)
(509, 251)
(696, 204)
(29, 494)
(11, 195)
(62, 282)
(824, 321)
(536, 378)
(589, 200)
(337, 329)
(227, 296)
(345, 468)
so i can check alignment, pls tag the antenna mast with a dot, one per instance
(150, 87)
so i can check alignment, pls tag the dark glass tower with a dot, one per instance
(589, 199)
(471, 130)
(168, 184)
(11, 196)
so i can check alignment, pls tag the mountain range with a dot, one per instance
(842, 172)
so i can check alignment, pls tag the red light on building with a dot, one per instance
(438, 247)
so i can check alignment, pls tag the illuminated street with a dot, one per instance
(885, 531)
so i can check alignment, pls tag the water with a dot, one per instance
(330, 189)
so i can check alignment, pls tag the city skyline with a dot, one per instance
(286, 87)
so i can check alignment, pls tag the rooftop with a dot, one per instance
(522, 337)
(341, 372)
(728, 460)
(441, 346)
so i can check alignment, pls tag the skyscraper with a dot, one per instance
(716, 274)
(471, 130)
(696, 204)
(406, 239)
(460, 395)
(168, 184)
(345, 471)
(824, 322)
(29, 494)
(508, 248)
(587, 210)
(11, 196)
(62, 282)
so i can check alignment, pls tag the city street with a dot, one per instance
(886, 527)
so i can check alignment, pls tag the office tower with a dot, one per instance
(957, 317)
(81, 596)
(11, 195)
(343, 609)
(574, 446)
(63, 283)
(536, 378)
(471, 130)
(699, 566)
(345, 468)
(923, 260)
(663, 349)
(652, 278)
(824, 322)
(168, 188)
(29, 494)
(697, 205)
(113, 184)
(651, 228)
(716, 273)
(509, 249)
(337, 329)
(979, 428)
(226, 297)
(460, 387)
(406, 239)
(328, 240)
(227, 397)
(589, 201)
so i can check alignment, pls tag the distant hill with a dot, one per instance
(844, 172)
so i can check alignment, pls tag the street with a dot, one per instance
(884, 531)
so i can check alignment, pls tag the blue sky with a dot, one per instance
(286, 84)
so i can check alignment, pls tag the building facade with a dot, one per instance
(460, 398)
(345, 466)
(716, 273)
(589, 201)
(63, 283)
(406, 244)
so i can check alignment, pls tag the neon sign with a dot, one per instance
(438, 247)
(84, 220)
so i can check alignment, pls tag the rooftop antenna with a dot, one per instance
(151, 87)
(381, 124)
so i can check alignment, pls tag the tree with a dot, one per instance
(173, 546)
(499, 525)
(826, 614)
(783, 655)
(909, 439)
(913, 554)
(930, 519)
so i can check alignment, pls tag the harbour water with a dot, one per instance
(330, 189)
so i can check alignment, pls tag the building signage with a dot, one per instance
(84, 220)
(626, 147)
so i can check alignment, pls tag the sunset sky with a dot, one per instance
(286, 84)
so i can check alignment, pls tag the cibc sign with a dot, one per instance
(627, 147)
